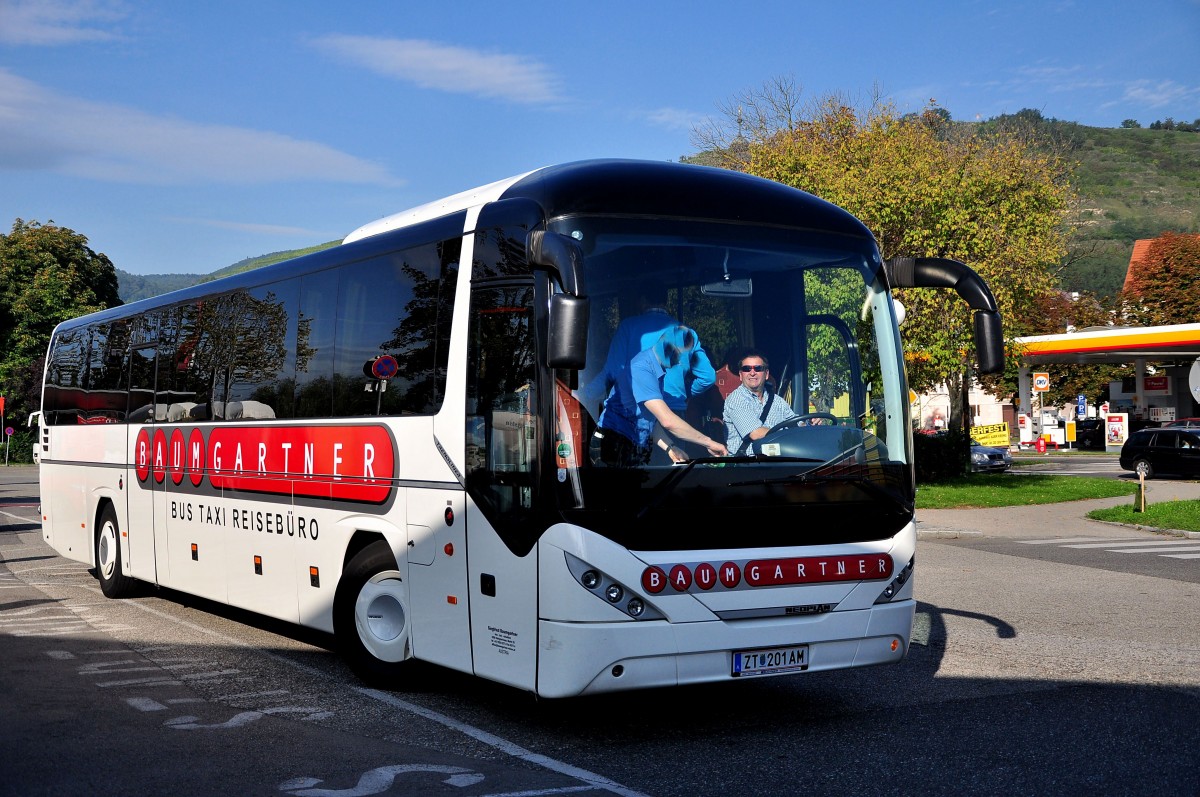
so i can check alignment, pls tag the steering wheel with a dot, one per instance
(800, 419)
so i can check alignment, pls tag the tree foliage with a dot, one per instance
(48, 274)
(1059, 312)
(1162, 288)
(992, 197)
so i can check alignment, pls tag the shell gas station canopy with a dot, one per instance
(1174, 349)
(1113, 345)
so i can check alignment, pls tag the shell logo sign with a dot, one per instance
(346, 463)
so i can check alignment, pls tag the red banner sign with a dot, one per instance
(346, 463)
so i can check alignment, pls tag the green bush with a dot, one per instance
(940, 457)
(20, 446)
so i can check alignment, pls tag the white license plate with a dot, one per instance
(763, 661)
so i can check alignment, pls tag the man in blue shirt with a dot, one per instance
(744, 407)
(613, 386)
(655, 378)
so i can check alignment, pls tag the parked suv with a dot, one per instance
(1165, 450)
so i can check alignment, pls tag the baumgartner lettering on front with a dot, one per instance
(752, 573)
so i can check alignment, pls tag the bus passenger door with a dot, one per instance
(501, 477)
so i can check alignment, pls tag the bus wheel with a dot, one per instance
(371, 616)
(113, 583)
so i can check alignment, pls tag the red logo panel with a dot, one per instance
(812, 569)
(346, 463)
(768, 572)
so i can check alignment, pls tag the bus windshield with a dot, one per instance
(695, 301)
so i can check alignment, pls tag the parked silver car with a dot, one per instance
(985, 459)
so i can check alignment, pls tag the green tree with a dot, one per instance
(988, 196)
(1059, 312)
(48, 274)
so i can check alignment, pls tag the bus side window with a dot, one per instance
(141, 385)
(316, 323)
(400, 305)
(108, 360)
(64, 378)
(262, 377)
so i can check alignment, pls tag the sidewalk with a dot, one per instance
(1067, 519)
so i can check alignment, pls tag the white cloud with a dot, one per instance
(44, 131)
(675, 118)
(257, 229)
(1157, 94)
(446, 67)
(52, 22)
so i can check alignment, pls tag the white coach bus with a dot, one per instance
(392, 439)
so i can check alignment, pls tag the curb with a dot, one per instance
(946, 534)
(1191, 535)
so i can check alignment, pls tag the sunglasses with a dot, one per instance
(756, 368)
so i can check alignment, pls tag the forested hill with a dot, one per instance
(1132, 183)
(142, 286)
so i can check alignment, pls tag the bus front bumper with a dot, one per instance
(586, 658)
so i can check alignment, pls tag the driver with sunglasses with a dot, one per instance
(752, 408)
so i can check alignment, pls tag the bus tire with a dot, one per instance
(113, 581)
(371, 615)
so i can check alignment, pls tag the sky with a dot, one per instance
(185, 136)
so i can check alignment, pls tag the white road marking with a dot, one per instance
(1192, 547)
(503, 745)
(145, 704)
(1149, 545)
(379, 780)
(1067, 540)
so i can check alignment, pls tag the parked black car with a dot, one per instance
(1089, 434)
(1152, 451)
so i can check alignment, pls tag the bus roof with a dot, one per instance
(650, 188)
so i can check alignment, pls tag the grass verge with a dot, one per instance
(1001, 489)
(1181, 515)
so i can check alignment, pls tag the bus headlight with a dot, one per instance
(611, 591)
(893, 587)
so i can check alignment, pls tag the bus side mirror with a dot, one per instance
(941, 272)
(989, 342)
(566, 345)
(559, 254)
